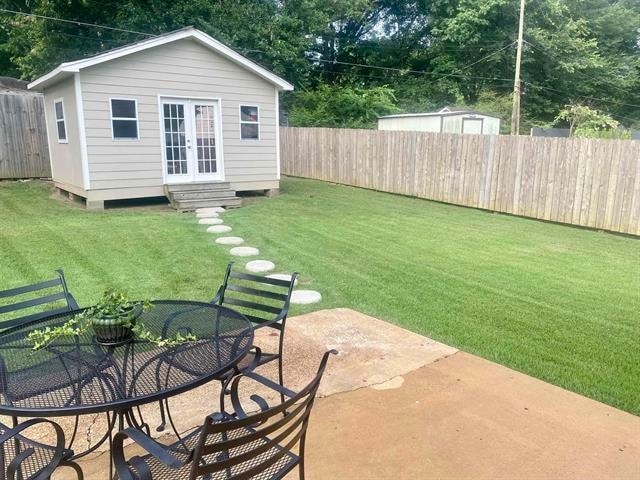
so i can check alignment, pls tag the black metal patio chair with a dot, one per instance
(59, 301)
(26, 459)
(36, 302)
(265, 301)
(235, 446)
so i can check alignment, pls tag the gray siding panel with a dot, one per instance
(66, 158)
(183, 69)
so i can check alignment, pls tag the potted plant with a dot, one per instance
(114, 322)
(114, 317)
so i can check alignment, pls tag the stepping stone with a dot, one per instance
(210, 221)
(260, 266)
(283, 276)
(209, 210)
(230, 240)
(207, 215)
(219, 229)
(244, 251)
(304, 297)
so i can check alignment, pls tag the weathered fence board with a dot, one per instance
(23, 136)
(591, 183)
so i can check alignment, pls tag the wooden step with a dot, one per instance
(189, 196)
(188, 187)
(188, 205)
(201, 194)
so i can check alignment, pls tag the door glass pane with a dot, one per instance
(205, 130)
(174, 130)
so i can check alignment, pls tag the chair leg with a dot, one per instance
(163, 418)
(280, 377)
(301, 454)
(280, 355)
(75, 466)
(301, 469)
(224, 384)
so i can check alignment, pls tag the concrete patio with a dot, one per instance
(399, 405)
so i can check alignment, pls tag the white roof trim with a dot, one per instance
(192, 33)
(439, 114)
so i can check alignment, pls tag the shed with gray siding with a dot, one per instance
(443, 121)
(176, 109)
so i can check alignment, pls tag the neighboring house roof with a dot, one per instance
(10, 83)
(69, 68)
(445, 112)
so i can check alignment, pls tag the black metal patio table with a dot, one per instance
(75, 375)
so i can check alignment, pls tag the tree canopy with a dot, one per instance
(351, 60)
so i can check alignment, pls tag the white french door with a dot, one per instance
(191, 140)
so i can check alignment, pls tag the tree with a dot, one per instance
(431, 53)
(587, 122)
(341, 106)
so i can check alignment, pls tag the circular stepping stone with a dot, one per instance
(230, 240)
(244, 251)
(219, 229)
(209, 210)
(283, 276)
(210, 221)
(207, 215)
(304, 297)
(260, 266)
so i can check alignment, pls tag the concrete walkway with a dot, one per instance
(398, 405)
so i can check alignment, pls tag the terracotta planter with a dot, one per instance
(115, 329)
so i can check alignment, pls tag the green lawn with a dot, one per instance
(556, 302)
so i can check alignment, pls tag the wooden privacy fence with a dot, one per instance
(23, 136)
(592, 183)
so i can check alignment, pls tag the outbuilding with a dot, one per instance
(444, 121)
(179, 114)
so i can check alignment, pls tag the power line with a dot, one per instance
(393, 69)
(500, 85)
(483, 58)
(557, 59)
(399, 70)
(425, 48)
(402, 70)
(75, 22)
(84, 37)
(465, 76)
(614, 116)
(583, 96)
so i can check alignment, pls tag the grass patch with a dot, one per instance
(150, 252)
(556, 302)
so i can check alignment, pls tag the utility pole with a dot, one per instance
(515, 114)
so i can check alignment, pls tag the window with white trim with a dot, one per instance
(249, 122)
(61, 126)
(124, 119)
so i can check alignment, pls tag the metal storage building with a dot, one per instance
(443, 121)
